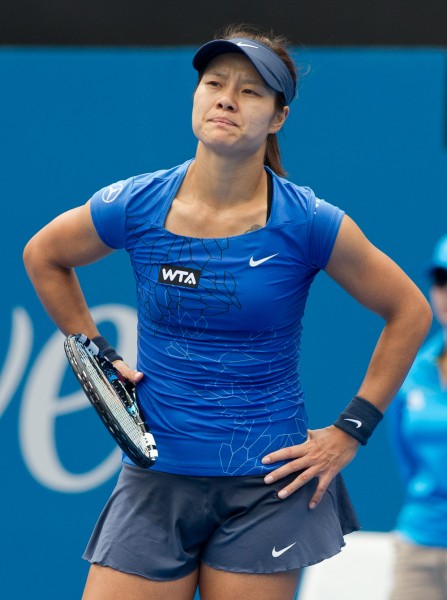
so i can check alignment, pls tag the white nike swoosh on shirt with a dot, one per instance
(255, 263)
(276, 553)
(356, 423)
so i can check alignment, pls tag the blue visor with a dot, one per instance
(269, 65)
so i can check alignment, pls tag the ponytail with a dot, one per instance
(272, 157)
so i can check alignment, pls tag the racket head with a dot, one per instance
(113, 398)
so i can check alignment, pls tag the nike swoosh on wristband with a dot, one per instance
(276, 553)
(356, 423)
(255, 263)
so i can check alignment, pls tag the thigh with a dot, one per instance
(259, 533)
(222, 585)
(416, 573)
(105, 583)
(154, 526)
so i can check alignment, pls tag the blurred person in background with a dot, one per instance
(418, 424)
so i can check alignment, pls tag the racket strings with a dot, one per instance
(116, 406)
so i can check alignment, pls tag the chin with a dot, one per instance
(221, 145)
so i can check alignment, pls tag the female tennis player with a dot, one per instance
(224, 250)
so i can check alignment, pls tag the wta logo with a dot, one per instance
(179, 276)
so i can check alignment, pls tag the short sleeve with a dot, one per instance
(325, 224)
(108, 208)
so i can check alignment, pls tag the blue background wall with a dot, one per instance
(367, 133)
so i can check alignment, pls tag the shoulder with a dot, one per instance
(162, 177)
(299, 202)
(424, 362)
(431, 350)
(126, 193)
(310, 223)
(118, 206)
(433, 347)
(154, 181)
(300, 196)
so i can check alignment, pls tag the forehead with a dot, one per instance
(233, 62)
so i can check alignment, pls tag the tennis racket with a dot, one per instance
(113, 398)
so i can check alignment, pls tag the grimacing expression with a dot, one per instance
(234, 109)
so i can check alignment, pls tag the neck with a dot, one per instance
(222, 179)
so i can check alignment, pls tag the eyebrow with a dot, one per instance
(245, 80)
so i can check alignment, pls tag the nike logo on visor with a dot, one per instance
(248, 45)
(255, 263)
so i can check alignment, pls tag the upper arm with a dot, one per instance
(368, 274)
(70, 240)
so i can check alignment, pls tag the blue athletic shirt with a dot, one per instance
(219, 322)
(418, 426)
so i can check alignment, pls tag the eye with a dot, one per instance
(250, 92)
(213, 83)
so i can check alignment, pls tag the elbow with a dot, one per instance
(34, 258)
(29, 255)
(422, 316)
(40, 260)
(411, 316)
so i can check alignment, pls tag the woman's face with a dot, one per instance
(438, 298)
(234, 109)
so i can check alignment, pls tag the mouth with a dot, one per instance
(223, 121)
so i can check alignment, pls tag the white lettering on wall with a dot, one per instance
(17, 356)
(42, 405)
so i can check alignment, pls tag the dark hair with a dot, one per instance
(278, 44)
(438, 276)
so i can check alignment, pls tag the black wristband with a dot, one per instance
(106, 349)
(359, 419)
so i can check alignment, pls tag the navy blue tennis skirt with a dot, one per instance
(162, 526)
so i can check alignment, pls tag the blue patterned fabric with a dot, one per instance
(219, 322)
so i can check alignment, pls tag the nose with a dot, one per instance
(226, 102)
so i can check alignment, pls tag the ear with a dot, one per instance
(279, 119)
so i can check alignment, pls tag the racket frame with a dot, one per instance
(124, 391)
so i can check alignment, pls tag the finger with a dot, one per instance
(128, 373)
(318, 494)
(289, 453)
(135, 376)
(297, 483)
(294, 466)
